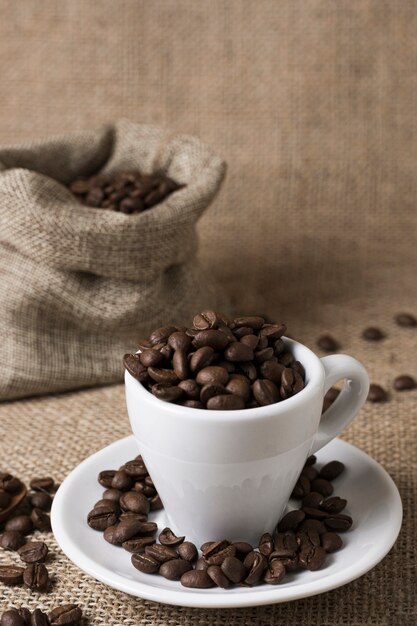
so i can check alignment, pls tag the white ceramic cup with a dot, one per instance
(229, 474)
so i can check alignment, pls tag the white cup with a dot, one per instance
(229, 474)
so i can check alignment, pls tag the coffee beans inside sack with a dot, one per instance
(218, 363)
(104, 224)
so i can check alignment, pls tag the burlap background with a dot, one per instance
(313, 105)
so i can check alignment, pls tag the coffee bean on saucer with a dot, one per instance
(302, 487)
(256, 572)
(11, 574)
(312, 513)
(11, 540)
(145, 563)
(175, 568)
(112, 494)
(331, 541)
(242, 548)
(161, 553)
(275, 572)
(372, 333)
(134, 502)
(41, 500)
(218, 577)
(22, 523)
(331, 470)
(121, 480)
(291, 520)
(312, 558)
(136, 469)
(33, 552)
(66, 614)
(312, 499)
(404, 383)
(168, 538)
(35, 576)
(327, 343)
(201, 564)
(156, 503)
(188, 551)
(221, 555)
(338, 522)
(105, 478)
(136, 544)
(266, 544)
(309, 472)
(333, 505)
(406, 320)
(101, 518)
(323, 486)
(377, 393)
(312, 524)
(196, 579)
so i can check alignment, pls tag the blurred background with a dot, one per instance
(312, 104)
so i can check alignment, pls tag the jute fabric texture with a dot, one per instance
(79, 285)
(312, 104)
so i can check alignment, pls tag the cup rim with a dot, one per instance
(315, 378)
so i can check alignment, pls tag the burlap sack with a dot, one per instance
(79, 285)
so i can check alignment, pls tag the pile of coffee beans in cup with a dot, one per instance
(301, 541)
(23, 512)
(218, 363)
(65, 614)
(127, 191)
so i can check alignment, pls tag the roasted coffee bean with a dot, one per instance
(136, 517)
(218, 577)
(312, 513)
(205, 320)
(161, 334)
(11, 574)
(313, 558)
(5, 499)
(33, 552)
(148, 529)
(302, 487)
(252, 321)
(308, 539)
(41, 501)
(291, 520)
(272, 331)
(272, 371)
(333, 505)
(331, 470)
(265, 392)
(312, 524)
(215, 339)
(196, 579)
(41, 520)
(210, 548)
(180, 364)
(275, 572)
(201, 564)
(285, 545)
(137, 544)
(105, 478)
(145, 563)
(65, 615)
(136, 469)
(161, 553)
(239, 388)
(225, 402)
(174, 569)
(209, 391)
(221, 555)
(35, 576)
(45, 484)
(404, 383)
(234, 569)
(261, 356)
(107, 505)
(322, 485)
(39, 618)
(309, 472)
(156, 503)
(151, 358)
(212, 375)
(310, 460)
(101, 518)
(237, 351)
(135, 368)
(121, 480)
(250, 340)
(331, 541)
(377, 393)
(406, 320)
(22, 523)
(257, 570)
(126, 529)
(13, 617)
(327, 343)
(134, 502)
(339, 522)
(11, 540)
(266, 544)
(168, 538)
(372, 333)
(190, 389)
(179, 341)
(188, 551)
(163, 375)
(144, 344)
(108, 535)
(201, 358)
(10, 484)
(249, 370)
(112, 494)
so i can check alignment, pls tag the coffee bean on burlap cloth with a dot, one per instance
(80, 284)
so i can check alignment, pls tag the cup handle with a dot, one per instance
(349, 401)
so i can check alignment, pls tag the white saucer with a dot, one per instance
(373, 502)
